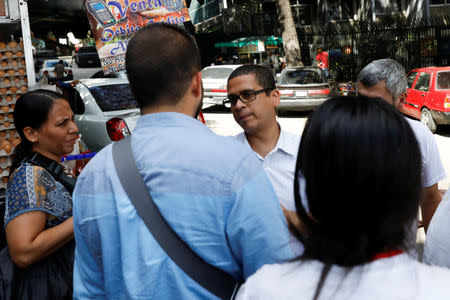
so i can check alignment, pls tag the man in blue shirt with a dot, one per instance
(212, 190)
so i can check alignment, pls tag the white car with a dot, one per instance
(302, 88)
(105, 109)
(49, 64)
(214, 80)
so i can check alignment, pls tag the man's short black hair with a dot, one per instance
(264, 76)
(161, 60)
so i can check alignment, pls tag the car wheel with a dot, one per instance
(427, 120)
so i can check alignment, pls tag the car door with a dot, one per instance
(407, 107)
(418, 95)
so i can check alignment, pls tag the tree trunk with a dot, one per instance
(291, 45)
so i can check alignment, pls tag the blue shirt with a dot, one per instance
(212, 191)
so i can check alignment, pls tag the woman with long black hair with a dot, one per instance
(38, 214)
(357, 190)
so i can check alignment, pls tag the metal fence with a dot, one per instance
(352, 45)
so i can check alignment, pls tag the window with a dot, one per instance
(336, 10)
(387, 6)
(216, 73)
(410, 79)
(114, 97)
(443, 80)
(301, 12)
(303, 76)
(423, 82)
(77, 104)
(439, 2)
(53, 63)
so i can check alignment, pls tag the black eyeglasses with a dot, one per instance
(245, 96)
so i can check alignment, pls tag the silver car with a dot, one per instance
(302, 88)
(105, 110)
(214, 81)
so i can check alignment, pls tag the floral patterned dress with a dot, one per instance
(32, 188)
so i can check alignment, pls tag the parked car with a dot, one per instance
(119, 74)
(49, 64)
(214, 80)
(428, 96)
(86, 57)
(42, 55)
(302, 88)
(105, 109)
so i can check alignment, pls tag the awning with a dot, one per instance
(268, 40)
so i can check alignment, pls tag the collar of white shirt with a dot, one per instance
(284, 143)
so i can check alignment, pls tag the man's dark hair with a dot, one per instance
(161, 60)
(264, 77)
(60, 61)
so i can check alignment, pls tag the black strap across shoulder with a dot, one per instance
(216, 281)
(55, 169)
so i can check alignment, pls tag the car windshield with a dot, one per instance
(51, 64)
(114, 97)
(303, 76)
(443, 80)
(216, 73)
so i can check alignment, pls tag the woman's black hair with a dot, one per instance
(31, 110)
(362, 168)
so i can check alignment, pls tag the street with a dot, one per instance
(222, 122)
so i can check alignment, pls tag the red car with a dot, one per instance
(428, 96)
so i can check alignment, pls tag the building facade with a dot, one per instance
(354, 32)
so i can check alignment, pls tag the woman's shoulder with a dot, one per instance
(26, 168)
(434, 280)
(280, 280)
(33, 188)
(28, 175)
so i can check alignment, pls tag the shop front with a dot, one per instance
(253, 50)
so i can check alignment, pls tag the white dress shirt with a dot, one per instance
(279, 164)
(395, 278)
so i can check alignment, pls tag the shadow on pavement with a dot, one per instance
(443, 130)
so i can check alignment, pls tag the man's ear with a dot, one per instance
(402, 99)
(275, 97)
(197, 85)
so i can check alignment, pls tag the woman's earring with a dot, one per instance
(33, 141)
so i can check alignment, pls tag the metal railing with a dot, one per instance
(352, 45)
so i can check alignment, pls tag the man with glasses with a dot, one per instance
(253, 98)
